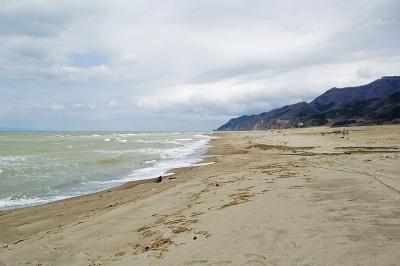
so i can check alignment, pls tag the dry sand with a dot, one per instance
(287, 197)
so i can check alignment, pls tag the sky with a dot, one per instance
(183, 65)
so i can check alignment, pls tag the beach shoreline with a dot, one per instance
(43, 167)
(95, 201)
(318, 196)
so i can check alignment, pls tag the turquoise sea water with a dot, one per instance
(39, 167)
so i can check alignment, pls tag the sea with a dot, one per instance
(41, 167)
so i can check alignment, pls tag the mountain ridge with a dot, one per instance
(373, 103)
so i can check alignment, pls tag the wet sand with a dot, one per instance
(287, 197)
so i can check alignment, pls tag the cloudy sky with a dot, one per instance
(183, 64)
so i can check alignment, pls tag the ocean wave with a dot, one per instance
(123, 135)
(18, 201)
(119, 140)
(157, 141)
(176, 158)
(13, 161)
(111, 160)
(189, 155)
(203, 164)
(150, 161)
(97, 167)
(204, 136)
(13, 158)
(116, 152)
(178, 152)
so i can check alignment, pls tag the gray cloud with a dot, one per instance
(183, 64)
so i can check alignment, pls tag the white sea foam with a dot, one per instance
(124, 135)
(178, 152)
(119, 152)
(17, 202)
(168, 174)
(13, 158)
(203, 164)
(189, 155)
(115, 152)
(150, 161)
(174, 158)
(157, 141)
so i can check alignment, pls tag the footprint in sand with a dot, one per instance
(255, 262)
(195, 262)
(255, 256)
(222, 262)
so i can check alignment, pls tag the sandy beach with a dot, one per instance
(312, 196)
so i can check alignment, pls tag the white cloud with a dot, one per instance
(249, 94)
(364, 72)
(193, 60)
(81, 74)
(114, 103)
(57, 107)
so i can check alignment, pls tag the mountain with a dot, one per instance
(335, 98)
(287, 116)
(374, 103)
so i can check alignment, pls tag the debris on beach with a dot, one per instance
(113, 205)
(180, 229)
(158, 243)
(206, 234)
(339, 131)
(158, 179)
(117, 255)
